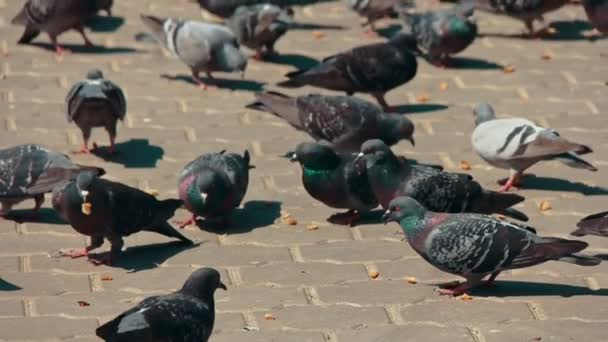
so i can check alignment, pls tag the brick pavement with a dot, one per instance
(316, 283)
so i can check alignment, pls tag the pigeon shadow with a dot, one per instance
(104, 23)
(299, 62)
(44, 215)
(472, 64)
(558, 184)
(418, 108)
(5, 286)
(604, 257)
(389, 31)
(134, 153)
(76, 48)
(365, 218)
(254, 214)
(507, 288)
(223, 83)
(312, 26)
(141, 258)
(565, 31)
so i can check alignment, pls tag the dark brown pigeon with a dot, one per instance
(596, 224)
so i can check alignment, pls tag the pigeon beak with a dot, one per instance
(412, 141)
(388, 217)
(222, 286)
(84, 194)
(359, 156)
(204, 196)
(292, 156)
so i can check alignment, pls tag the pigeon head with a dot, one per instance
(94, 74)
(406, 41)
(83, 183)
(395, 127)
(402, 208)
(483, 112)
(162, 29)
(316, 156)
(374, 146)
(230, 58)
(203, 282)
(208, 185)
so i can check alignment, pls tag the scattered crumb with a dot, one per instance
(83, 303)
(318, 34)
(269, 317)
(552, 31)
(423, 98)
(153, 192)
(546, 56)
(501, 217)
(465, 297)
(374, 274)
(291, 221)
(106, 277)
(312, 226)
(443, 86)
(411, 280)
(464, 165)
(508, 69)
(544, 206)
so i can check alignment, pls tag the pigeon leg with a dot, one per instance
(59, 50)
(490, 281)
(6, 208)
(349, 218)
(87, 42)
(514, 180)
(382, 101)
(111, 128)
(109, 11)
(115, 251)
(471, 283)
(258, 55)
(38, 200)
(199, 81)
(186, 223)
(96, 242)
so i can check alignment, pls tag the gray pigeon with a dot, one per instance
(442, 33)
(345, 122)
(596, 224)
(96, 102)
(101, 208)
(55, 17)
(373, 10)
(437, 190)
(525, 10)
(186, 315)
(517, 144)
(597, 12)
(226, 8)
(214, 184)
(338, 181)
(201, 46)
(474, 246)
(373, 69)
(30, 171)
(260, 26)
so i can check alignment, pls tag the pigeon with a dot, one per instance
(596, 224)
(345, 122)
(214, 184)
(437, 190)
(441, 33)
(30, 171)
(517, 144)
(201, 46)
(373, 10)
(185, 315)
(101, 208)
(474, 246)
(260, 26)
(338, 181)
(374, 69)
(525, 10)
(226, 8)
(57, 16)
(597, 12)
(95, 102)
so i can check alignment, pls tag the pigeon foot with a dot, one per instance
(189, 222)
(60, 50)
(75, 253)
(349, 218)
(105, 259)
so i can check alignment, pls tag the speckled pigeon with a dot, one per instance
(437, 190)
(345, 122)
(201, 46)
(525, 10)
(30, 171)
(517, 144)
(338, 181)
(441, 33)
(596, 224)
(373, 69)
(96, 102)
(373, 10)
(186, 315)
(55, 17)
(474, 246)
(597, 12)
(214, 184)
(101, 208)
(260, 26)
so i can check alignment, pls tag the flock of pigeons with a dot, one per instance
(445, 216)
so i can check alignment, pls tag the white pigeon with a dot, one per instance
(517, 144)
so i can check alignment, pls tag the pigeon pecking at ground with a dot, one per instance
(30, 171)
(201, 46)
(525, 10)
(596, 224)
(226, 8)
(214, 184)
(390, 177)
(96, 102)
(338, 181)
(474, 246)
(57, 16)
(373, 69)
(441, 33)
(373, 10)
(101, 209)
(345, 122)
(185, 315)
(597, 12)
(517, 144)
(260, 26)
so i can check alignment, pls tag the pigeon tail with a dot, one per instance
(498, 202)
(572, 160)
(581, 260)
(98, 171)
(166, 229)
(293, 81)
(592, 225)
(515, 214)
(28, 35)
(166, 209)
(279, 105)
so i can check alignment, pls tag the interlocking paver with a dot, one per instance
(315, 282)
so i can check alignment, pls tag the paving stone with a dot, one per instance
(44, 327)
(268, 336)
(408, 333)
(310, 317)
(303, 274)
